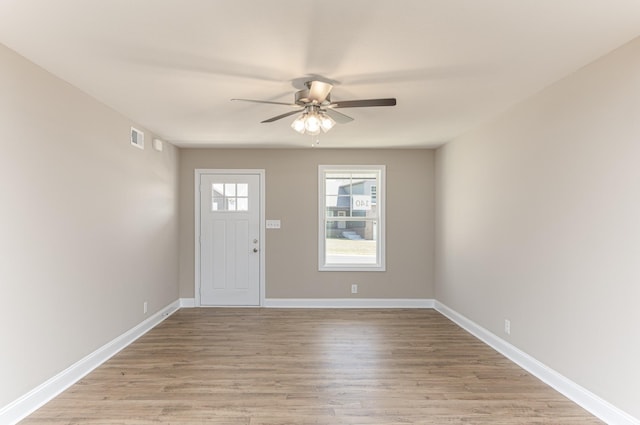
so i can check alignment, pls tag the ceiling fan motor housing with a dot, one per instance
(302, 98)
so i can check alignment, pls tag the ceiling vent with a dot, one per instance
(137, 138)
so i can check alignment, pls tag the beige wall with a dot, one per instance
(88, 226)
(538, 221)
(292, 196)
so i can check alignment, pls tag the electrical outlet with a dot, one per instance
(144, 307)
(507, 326)
(354, 288)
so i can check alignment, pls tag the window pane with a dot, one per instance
(361, 203)
(230, 189)
(331, 201)
(231, 204)
(218, 189)
(243, 204)
(343, 204)
(243, 189)
(351, 242)
(217, 204)
(337, 186)
(338, 206)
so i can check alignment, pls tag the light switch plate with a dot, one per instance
(273, 224)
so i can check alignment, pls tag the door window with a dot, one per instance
(229, 197)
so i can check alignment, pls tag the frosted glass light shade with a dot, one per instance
(298, 125)
(327, 123)
(312, 124)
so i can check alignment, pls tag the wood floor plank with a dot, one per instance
(273, 366)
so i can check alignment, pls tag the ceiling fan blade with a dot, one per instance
(319, 90)
(339, 117)
(364, 103)
(276, 118)
(266, 101)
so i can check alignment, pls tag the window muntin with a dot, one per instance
(351, 218)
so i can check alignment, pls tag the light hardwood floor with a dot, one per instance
(272, 367)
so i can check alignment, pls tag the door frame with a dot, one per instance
(261, 223)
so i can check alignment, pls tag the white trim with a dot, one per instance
(380, 266)
(576, 393)
(45, 392)
(187, 302)
(348, 303)
(198, 172)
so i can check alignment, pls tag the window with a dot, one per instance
(229, 197)
(351, 218)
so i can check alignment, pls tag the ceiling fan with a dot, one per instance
(317, 111)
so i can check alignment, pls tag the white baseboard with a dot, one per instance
(334, 303)
(43, 393)
(348, 303)
(187, 302)
(579, 395)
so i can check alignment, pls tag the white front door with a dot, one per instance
(230, 239)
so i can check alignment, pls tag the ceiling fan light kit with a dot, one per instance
(318, 112)
(312, 120)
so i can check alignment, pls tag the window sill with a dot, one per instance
(348, 268)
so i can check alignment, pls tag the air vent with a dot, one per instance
(137, 138)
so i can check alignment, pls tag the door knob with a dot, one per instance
(255, 249)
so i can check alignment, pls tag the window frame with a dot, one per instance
(380, 170)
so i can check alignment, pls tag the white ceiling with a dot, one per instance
(174, 65)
